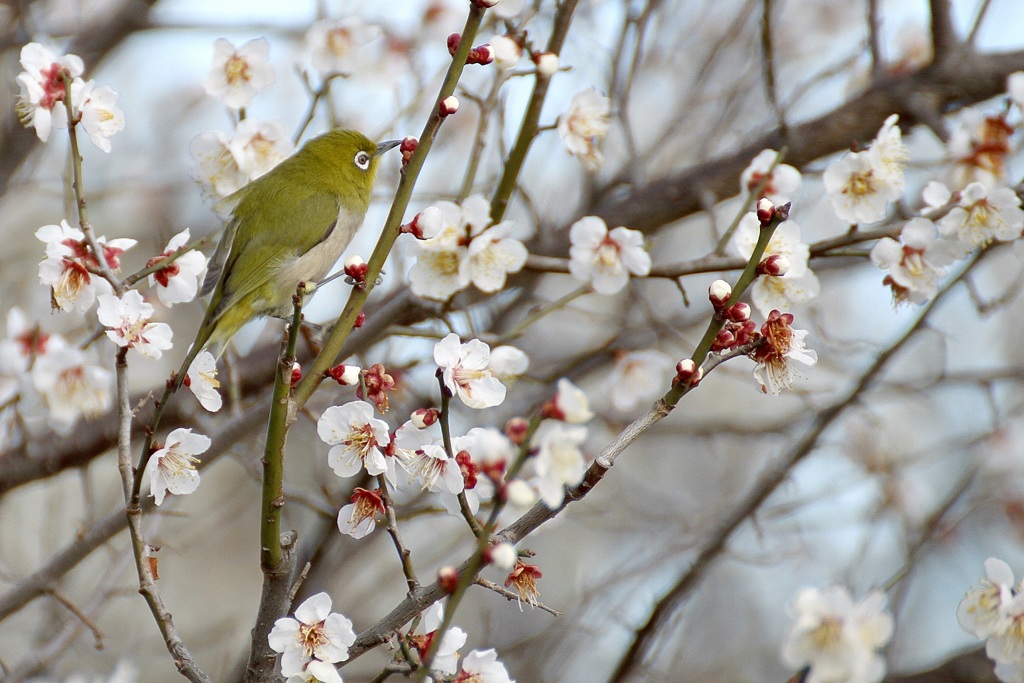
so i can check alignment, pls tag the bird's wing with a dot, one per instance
(215, 266)
(283, 230)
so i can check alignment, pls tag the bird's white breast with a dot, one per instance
(313, 265)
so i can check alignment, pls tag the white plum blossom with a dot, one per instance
(24, 343)
(435, 470)
(508, 362)
(798, 285)
(983, 215)
(606, 258)
(837, 638)
(316, 672)
(492, 255)
(980, 145)
(71, 386)
(225, 163)
(506, 9)
(782, 344)
(890, 150)
(982, 611)
(584, 125)
(857, 190)
(916, 264)
(861, 185)
(127, 322)
(460, 249)
(559, 461)
(780, 186)
(41, 100)
(101, 117)
(482, 666)
(465, 371)
(359, 518)
(238, 74)
(171, 469)
(935, 196)
(178, 281)
(446, 659)
(638, 377)
(314, 633)
(340, 46)
(571, 403)
(201, 379)
(69, 267)
(258, 146)
(357, 437)
(217, 170)
(995, 610)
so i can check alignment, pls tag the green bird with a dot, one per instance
(288, 226)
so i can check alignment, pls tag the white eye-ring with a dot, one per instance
(362, 160)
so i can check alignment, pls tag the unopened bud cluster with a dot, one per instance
(482, 54)
(687, 373)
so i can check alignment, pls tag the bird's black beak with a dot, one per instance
(385, 146)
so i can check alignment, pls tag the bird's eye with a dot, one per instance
(362, 160)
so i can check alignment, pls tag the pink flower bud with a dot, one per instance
(413, 227)
(765, 210)
(424, 417)
(515, 430)
(485, 3)
(547, 63)
(407, 148)
(453, 43)
(687, 373)
(296, 374)
(448, 579)
(355, 268)
(360, 320)
(724, 340)
(738, 312)
(345, 375)
(480, 55)
(719, 292)
(776, 265)
(448, 106)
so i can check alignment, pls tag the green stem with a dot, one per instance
(78, 185)
(392, 226)
(531, 119)
(282, 412)
(715, 324)
(467, 576)
(446, 439)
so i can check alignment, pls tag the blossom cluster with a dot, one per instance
(315, 639)
(471, 466)
(47, 82)
(458, 246)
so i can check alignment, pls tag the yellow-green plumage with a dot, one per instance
(288, 226)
